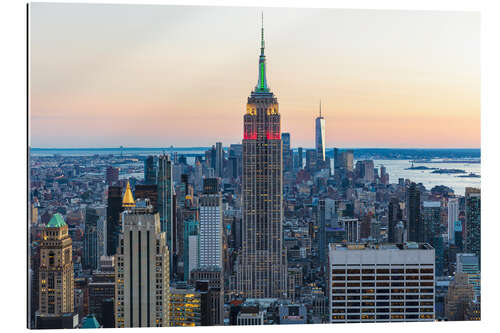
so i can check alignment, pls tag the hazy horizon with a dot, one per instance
(138, 75)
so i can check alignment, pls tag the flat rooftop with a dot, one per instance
(383, 246)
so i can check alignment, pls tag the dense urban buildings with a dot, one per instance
(256, 232)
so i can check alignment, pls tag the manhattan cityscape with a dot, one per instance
(265, 229)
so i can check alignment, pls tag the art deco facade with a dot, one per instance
(142, 272)
(56, 271)
(262, 266)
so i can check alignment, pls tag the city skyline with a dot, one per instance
(361, 100)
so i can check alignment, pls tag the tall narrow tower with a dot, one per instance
(320, 136)
(262, 264)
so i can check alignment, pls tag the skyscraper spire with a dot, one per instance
(320, 108)
(262, 82)
(262, 44)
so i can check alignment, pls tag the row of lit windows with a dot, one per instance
(381, 297)
(383, 271)
(383, 317)
(381, 310)
(383, 284)
(381, 291)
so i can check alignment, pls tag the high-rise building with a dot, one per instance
(414, 223)
(191, 245)
(113, 222)
(347, 160)
(431, 222)
(473, 221)
(56, 282)
(111, 175)
(320, 136)
(150, 170)
(452, 218)
(460, 294)
(301, 158)
(311, 160)
(365, 170)
(219, 160)
(394, 216)
(149, 192)
(287, 153)
(262, 262)
(185, 307)
(210, 225)
(101, 288)
(321, 217)
(212, 303)
(93, 237)
(215, 283)
(165, 201)
(141, 268)
(367, 282)
(352, 230)
(468, 263)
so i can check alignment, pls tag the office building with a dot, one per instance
(94, 237)
(287, 152)
(185, 307)
(149, 192)
(321, 218)
(219, 160)
(473, 221)
(56, 283)
(250, 315)
(191, 245)
(468, 263)
(141, 268)
(452, 218)
(113, 222)
(414, 223)
(320, 137)
(165, 200)
(215, 279)
(460, 295)
(301, 158)
(150, 170)
(394, 216)
(368, 282)
(112, 175)
(352, 229)
(365, 171)
(262, 265)
(100, 289)
(311, 160)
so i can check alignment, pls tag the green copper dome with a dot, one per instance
(56, 221)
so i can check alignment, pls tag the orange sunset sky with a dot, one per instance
(155, 76)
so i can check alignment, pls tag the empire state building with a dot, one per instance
(262, 263)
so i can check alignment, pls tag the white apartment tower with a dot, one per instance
(381, 283)
(142, 272)
(210, 245)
